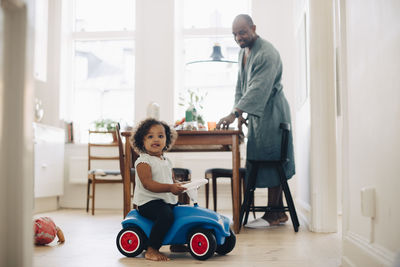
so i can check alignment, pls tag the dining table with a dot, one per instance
(195, 141)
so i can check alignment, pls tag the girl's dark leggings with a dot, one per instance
(162, 215)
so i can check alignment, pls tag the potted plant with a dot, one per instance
(106, 125)
(194, 99)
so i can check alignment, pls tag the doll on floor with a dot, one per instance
(45, 231)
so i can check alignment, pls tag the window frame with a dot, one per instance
(68, 38)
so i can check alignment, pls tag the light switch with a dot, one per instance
(368, 201)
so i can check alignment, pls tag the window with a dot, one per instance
(99, 62)
(204, 24)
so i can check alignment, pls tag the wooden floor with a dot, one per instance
(90, 241)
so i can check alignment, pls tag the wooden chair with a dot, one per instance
(213, 174)
(99, 175)
(250, 186)
(122, 160)
(183, 175)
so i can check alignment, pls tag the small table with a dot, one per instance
(194, 141)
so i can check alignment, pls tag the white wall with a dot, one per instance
(48, 91)
(302, 111)
(155, 57)
(16, 161)
(323, 117)
(371, 112)
(275, 23)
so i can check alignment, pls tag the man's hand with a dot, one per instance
(177, 188)
(225, 121)
(241, 121)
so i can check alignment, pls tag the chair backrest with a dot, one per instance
(122, 154)
(94, 143)
(285, 127)
(121, 151)
(182, 174)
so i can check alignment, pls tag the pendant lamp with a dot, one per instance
(216, 56)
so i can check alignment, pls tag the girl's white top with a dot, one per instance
(161, 171)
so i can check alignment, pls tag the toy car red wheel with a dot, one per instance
(202, 243)
(131, 241)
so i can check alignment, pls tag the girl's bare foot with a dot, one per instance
(155, 255)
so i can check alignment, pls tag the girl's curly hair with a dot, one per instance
(143, 128)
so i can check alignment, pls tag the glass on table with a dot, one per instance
(211, 125)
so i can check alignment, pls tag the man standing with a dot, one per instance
(259, 94)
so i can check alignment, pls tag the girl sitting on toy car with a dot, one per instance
(156, 189)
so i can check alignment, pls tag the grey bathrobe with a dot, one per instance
(259, 93)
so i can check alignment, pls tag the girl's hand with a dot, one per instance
(177, 188)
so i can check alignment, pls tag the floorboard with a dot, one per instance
(90, 241)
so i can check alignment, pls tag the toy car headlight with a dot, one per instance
(221, 222)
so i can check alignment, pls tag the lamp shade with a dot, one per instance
(216, 56)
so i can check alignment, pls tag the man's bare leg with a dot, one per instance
(282, 215)
(274, 195)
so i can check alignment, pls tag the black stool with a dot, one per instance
(215, 173)
(182, 175)
(250, 186)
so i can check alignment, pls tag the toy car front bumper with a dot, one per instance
(225, 222)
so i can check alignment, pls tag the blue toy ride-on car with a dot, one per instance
(203, 230)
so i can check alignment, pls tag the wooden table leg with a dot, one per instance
(236, 182)
(127, 178)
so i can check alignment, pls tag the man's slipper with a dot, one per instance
(259, 223)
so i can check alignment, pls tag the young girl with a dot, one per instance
(156, 189)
